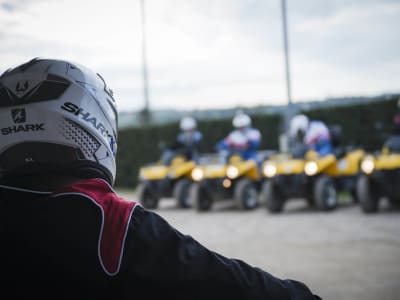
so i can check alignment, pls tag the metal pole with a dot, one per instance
(286, 47)
(288, 110)
(146, 110)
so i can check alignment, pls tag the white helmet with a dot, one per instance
(57, 116)
(188, 123)
(241, 120)
(298, 123)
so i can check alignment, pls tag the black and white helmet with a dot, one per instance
(241, 120)
(188, 124)
(57, 116)
(298, 123)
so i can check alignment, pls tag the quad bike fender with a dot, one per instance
(154, 172)
(388, 161)
(248, 168)
(349, 164)
(179, 170)
(326, 164)
(214, 171)
(290, 166)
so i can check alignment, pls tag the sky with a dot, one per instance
(212, 54)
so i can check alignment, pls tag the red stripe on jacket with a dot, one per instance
(116, 216)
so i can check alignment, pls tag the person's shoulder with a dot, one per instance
(318, 125)
(198, 134)
(96, 189)
(254, 133)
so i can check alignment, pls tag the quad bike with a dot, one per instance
(226, 176)
(168, 177)
(380, 178)
(317, 179)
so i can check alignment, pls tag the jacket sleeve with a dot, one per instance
(182, 268)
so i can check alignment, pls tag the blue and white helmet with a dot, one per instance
(57, 116)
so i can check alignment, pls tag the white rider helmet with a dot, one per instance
(241, 120)
(298, 123)
(57, 116)
(188, 123)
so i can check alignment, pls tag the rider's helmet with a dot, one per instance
(57, 117)
(241, 120)
(188, 124)
(298, 125)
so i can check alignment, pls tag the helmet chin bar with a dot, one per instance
(38, 158)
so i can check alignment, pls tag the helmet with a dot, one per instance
(241, 120)
(188, 123)
(57, 116)
(298, 123)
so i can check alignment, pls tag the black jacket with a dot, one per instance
(84, 241)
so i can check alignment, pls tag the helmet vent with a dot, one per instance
(82, 138)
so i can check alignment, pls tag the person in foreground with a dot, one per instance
(65, 233)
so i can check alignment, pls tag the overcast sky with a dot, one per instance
(213, 53)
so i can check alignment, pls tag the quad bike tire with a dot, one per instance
(181, 193)
(274, 201)
(147, 196)
(310, 199)
(245, 194)
(354, 196)
(394, 201)
(325, 193)
(201, 198)
(368, 195)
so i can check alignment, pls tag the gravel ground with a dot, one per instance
(342, 255)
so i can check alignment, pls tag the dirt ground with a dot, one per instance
(341, 255)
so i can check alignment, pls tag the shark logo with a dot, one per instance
(18, 115)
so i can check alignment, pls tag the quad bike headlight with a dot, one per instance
(197, 174)
(311, 168)
(269, 170)
(368, 165)
(227, 183)
(232, 172)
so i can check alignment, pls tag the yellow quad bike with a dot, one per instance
(226, 177)
(166, 178)
(380, 178)
(317, 179)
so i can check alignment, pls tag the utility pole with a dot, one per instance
(288, 111)
(145, 113)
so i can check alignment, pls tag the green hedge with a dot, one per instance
(365, 126)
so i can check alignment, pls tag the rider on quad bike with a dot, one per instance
(235, 175)
(381, 173)
(171, 175)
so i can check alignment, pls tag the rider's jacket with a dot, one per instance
(85, 242)
(318, 138)
(243, 141)
(188, 143)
